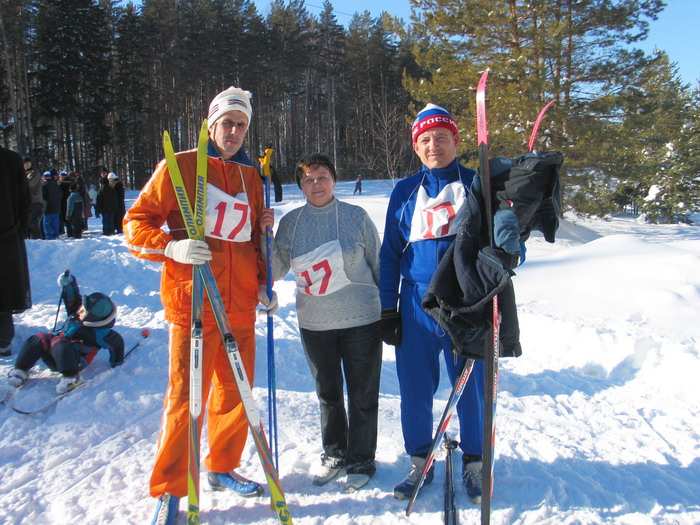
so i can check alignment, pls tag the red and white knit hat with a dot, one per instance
(432, 116)
(232, 99)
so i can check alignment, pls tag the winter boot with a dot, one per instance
(471, 477)
(355, 482)
(330, 468)
(17, 377)
(166, 510)
(5, 350)
(235, 482)
(68, 383)
(359, 474)
(405, 489)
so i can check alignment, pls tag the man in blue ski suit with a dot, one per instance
(424, 213)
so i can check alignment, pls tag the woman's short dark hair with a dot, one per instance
(311, 160)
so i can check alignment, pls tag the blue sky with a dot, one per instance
(673, 32)
(676, 33)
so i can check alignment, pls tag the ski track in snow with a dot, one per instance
(598, 421)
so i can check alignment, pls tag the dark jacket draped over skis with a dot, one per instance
(471, 273)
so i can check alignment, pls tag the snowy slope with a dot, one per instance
(598, 421)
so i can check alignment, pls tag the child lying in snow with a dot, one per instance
(73, 347)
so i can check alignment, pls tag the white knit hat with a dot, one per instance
(232, 99)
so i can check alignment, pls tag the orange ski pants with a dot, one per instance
(227, 425)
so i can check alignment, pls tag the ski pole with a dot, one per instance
(451, 516)
(60, 300)
(271, 376)
(145, 333)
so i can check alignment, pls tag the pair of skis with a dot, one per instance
(491, 353)
(492, 350)
(194, 224)
(9, 396)
(203, 280)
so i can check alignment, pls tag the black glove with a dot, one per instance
(509, 260)
(391, 327)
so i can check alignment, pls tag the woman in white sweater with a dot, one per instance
(332, 248)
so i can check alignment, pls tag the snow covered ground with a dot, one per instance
(598, 421)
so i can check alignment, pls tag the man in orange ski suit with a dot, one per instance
(235, 202)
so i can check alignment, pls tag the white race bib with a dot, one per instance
(320, 271)
(228, 217)
(439, 216)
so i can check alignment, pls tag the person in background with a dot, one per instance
(275, 180)
(51, 195)
(115, 183)
(87, 200)
(424, 214)
(15, 211)
(358, 185)
(107, 206)
(92, 193)
(74, 211)
(233, 229)
(64, 182)
(34, 230)
(333, 250)
(68, 350)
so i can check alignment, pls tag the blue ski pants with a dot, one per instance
(51, 225)
(418, 370)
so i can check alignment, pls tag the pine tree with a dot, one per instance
(326, 81)
(72, 59)
(288, 74)
(15, 110)
(161, 26)
(372, 79)
(130, 88)
(574, 50)
(96, 35)
(650, 149)
(689, 158)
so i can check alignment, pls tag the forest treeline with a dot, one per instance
(90, 83)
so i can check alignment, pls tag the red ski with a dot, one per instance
(491, 354)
